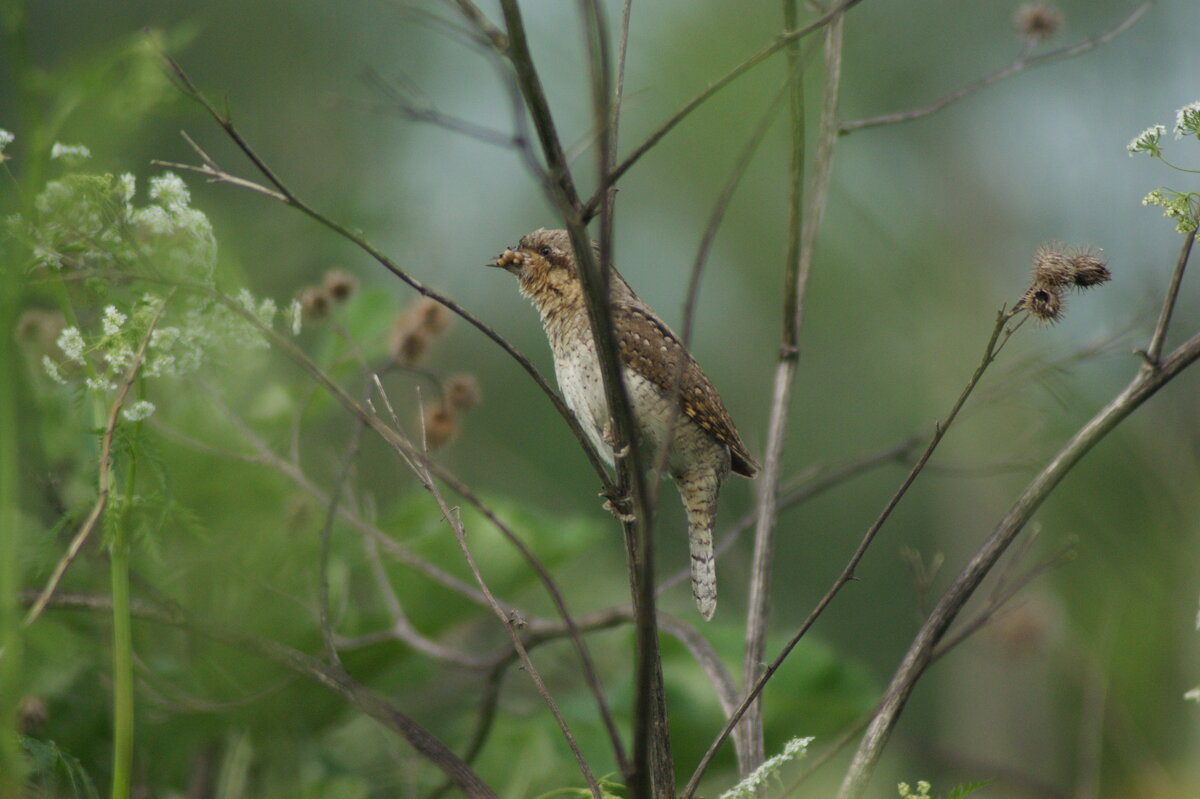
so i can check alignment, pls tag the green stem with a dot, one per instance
(122, 646)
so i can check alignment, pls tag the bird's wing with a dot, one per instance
(652, 350)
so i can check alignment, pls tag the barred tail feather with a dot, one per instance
(704, 570)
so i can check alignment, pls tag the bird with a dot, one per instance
(663, 381)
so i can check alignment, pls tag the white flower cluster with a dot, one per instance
(1187, 121)
(1146, 141)
(90, 221)
(70, 153)
(748, 788)
(6, 139)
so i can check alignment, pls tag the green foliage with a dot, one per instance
(55, 773)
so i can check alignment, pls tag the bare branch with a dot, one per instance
(919, 654)
(329, 675)
(1154, 351)
(1022, 63)
(993, 346)
(285, 195)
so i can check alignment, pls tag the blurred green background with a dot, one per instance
(930, 226)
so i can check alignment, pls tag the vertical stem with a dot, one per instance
(11, 642)
(122, 646)
(750, 729)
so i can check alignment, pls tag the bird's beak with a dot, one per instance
(510, 260)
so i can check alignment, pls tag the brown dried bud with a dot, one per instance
(1090, 269)
(1043, 302)
(432, 315)
(339, 284)
(1037, 21)
(1052, 266)
(314, 303)
(461, 392)
(31, 714)
(415, 329)
(440, 424)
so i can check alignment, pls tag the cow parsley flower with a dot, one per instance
(138, 411)
(1147, 141)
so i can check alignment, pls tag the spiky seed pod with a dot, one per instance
(314, 303)
(440, 423)
(461, 392)
(1037, 21)
(339, 285)
(1043, 302)
(1052, 266)
(1089, 269)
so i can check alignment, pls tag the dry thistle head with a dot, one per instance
(1043, 302)
(1037, 21)
(339, 285)
(314, 303)
(1052, 266)
(1089, 268)
(415, 329)
(461, 392)
(440, 423)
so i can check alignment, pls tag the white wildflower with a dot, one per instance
(100, 384)
(126, 188)
(154, 220)
(47, 257)
(138, 411)
(1193, 695)
(120, 358)
(169, 191)
(70, 341)
(748, 788)
(6, 139)
(1187, 120)
(52, 369)
(1146, 141)
(266, 311)
(296, 314)
(70, 153)
(113, 319)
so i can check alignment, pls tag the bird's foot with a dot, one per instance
(621, 507)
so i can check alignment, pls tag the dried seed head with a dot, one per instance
(432, 315)
(31, 714)
(1037, 21)
(407, 346)
(1052, 266)
(339, 284)
(440, 424)
(461, 392)
(415, 329)
(1089, 268)
(1043, 302)
(314, 303)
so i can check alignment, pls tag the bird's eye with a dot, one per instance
(545, 251)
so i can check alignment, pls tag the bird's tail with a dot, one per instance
(704, 568)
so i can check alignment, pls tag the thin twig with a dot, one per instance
(453, 519)
(591, 207)
(801, 249)
(329, 675)
(918, 657)
(993, 346)
(285, 195)
(1022, 63)
(104, 478)
(1154, 351)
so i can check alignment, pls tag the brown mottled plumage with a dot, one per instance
(705, 445)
